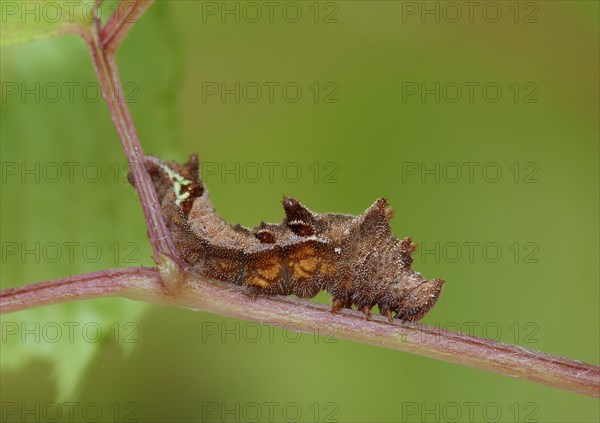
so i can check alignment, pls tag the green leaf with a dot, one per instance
(57, 119)
(28, 20)
(69, 336)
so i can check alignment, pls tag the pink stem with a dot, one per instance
(103, 55)
(226, 299)
(106, 283)
(121, 22)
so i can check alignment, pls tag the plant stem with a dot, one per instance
(121, 22)
(144, 284)
(103, 55)
(106, 283)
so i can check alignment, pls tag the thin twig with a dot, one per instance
(121, 21)
(103, 55)
(144, 284)
(106, 283)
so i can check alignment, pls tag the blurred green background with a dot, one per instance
(519, 250)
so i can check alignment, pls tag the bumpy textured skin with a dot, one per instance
(355, 258)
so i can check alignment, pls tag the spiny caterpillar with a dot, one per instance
(354, 258)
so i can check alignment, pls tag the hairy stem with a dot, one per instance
(144, 284)
(103, 55)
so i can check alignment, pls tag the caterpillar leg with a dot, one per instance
(387, 313)
(367, 310)
(339, 303)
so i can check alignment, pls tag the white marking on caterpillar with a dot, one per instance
(178, 182)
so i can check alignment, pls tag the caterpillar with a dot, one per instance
(356, 259)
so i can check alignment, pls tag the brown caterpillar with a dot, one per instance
(354, 258)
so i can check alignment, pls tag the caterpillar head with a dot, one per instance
(411, 296)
